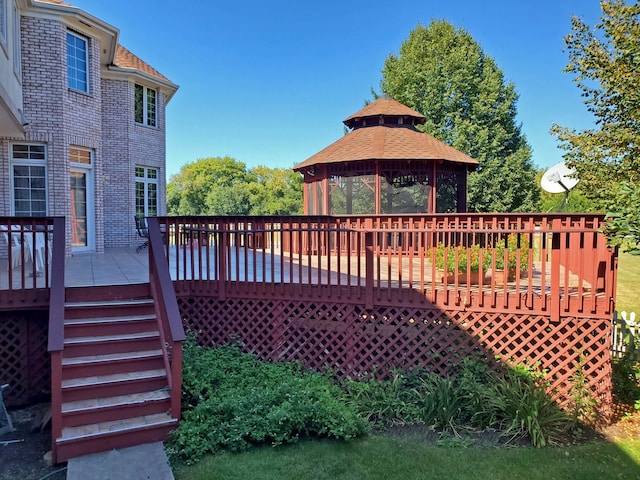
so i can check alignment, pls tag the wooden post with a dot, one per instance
(221, 257)
(176, 378)
(555, 269)
(368, 247)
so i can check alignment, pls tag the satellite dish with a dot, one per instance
(559, 179)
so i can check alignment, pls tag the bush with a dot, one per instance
(232, 400)
(626, 379)
(522, 405)
(515, 402)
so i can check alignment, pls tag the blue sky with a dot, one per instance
(269, 82)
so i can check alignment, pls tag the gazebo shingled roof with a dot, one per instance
(385, 165)
(385, 130)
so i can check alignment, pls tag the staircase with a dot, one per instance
(114, 383)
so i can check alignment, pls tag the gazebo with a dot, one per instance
(385, 165)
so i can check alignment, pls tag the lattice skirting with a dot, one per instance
(352, 341)
(24, 360)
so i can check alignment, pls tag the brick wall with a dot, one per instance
(101, 120)
(127, 145)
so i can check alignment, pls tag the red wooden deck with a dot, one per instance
(362, 294)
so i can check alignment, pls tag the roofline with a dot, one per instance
(82, 20)
(118, 72)
(300, 167)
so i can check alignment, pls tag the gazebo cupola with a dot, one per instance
(385, 165)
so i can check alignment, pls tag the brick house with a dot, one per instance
(82, 124)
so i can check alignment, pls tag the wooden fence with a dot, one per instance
(625, 335)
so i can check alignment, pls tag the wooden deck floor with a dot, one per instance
(119, 266)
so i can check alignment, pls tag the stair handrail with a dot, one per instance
(56, 292)
(170, 320)
(55, 343)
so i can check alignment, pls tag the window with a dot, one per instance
(17, 55)
(29, 180)
(146, 192)
(145, 105)
(77, 63)
(79, 155)
(3, 21)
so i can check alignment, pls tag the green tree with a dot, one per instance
(224, 186)
(605, 61)
(188, 190)
(274, 191)
(444, 74)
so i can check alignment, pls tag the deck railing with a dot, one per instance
(561, 263)
(55, 343)
(26, 247)
(169, 320)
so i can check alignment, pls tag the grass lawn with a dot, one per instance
(628, 297)
(390, 458)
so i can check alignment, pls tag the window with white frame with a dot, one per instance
(17, 55)
(3, 21)
(146, 192)
(29, 180)
(77, 62)
(145, 105)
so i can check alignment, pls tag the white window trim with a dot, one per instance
(4, 25)
(146, 181)
(86, 59)
(17, 54)
(145, 110)
(28, 162)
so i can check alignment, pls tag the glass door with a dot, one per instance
(81, 210)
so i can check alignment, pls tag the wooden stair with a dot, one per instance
(115, 391)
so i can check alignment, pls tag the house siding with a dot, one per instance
(60, 117)
(101, 120)
(128, 145)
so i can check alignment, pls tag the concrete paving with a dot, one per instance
(142, 462)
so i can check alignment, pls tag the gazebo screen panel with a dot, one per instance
(352, 194)
(405, 193)
(450, 186)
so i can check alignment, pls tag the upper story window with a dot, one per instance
(17, 55)
(77, 62)
(3, 21)
(29, 180)
(145, 105)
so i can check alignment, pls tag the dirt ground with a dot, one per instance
(24, 460)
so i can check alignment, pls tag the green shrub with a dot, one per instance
(232, 400)
(515, 402)
(382, 401)
(625, 377)
(523, 405)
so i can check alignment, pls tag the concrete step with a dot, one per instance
(146, 461)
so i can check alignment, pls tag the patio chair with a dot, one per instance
(15, 243)
(143, 232)
(5, 420)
